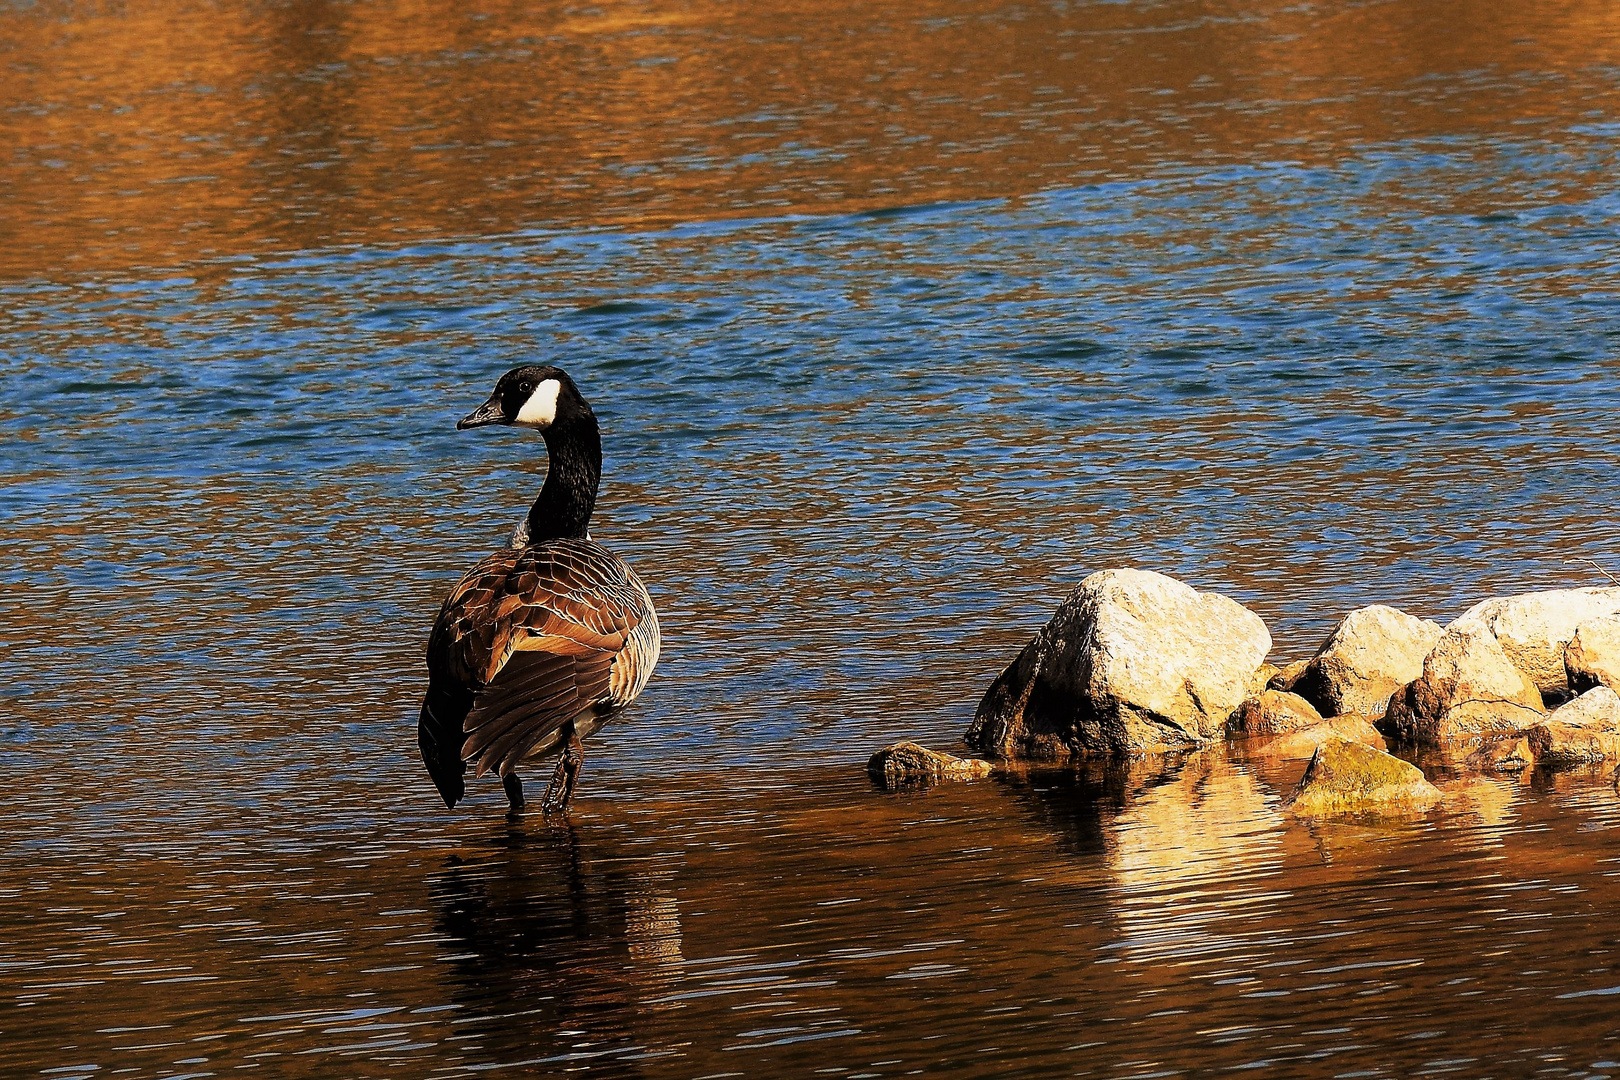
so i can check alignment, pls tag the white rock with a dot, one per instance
(1132, 662)
(1372, 653)
(1468, 687)
(1535, 628)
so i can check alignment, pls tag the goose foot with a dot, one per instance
(560, 792)
(514, 791)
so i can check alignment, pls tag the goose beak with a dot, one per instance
(487, 413)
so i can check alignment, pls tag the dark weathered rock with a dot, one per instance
(1347, 777)
(1468, 688)
(1535, 628)
(1273, 712)
(1132, 662)
(1592, 657)
(1373, 652)
(910, 763)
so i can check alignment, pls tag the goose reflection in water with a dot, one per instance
(561, 950)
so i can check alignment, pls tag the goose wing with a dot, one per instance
(534, 634)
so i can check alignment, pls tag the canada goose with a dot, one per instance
(543, 642)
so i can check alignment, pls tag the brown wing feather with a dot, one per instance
(535, 695)
(534, 634)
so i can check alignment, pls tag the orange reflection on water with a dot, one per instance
(154, 135)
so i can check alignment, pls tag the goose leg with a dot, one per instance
(514, 790)
(563, 780)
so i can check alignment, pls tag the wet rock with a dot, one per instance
(1347, 777)
(1288, 675)
(1561, 746)
(1503, 753)
(1373, 652)
(1534, 629)
(910, 763)
(1468, 687)
(1592, 657)
(1304, 742)
(1584, 732)
(1273, 712)
(1132, 662)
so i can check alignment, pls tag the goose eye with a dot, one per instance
(525, 387)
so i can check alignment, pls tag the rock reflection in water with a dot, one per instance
(1197, 842)
(558, 948)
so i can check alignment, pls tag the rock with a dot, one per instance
(1468, 687)
(1535, 628)
(1592, 657)
(1347, 777)
(909, 763)
(1583, 732)
(1132, 662)
(1505, 753)
(1288, 676)
(1560, 746)
(1598, 708)
(1304, 742)
(1274, 712)
(1373, 652)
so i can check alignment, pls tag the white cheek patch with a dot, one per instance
(541, 408)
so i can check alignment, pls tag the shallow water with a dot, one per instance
(900, 320)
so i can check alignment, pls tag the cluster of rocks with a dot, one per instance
(1135, 662)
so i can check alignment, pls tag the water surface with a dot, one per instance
(900, 320)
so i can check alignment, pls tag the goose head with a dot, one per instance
(535, 396)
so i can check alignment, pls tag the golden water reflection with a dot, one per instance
(810, 921)
(156, 135)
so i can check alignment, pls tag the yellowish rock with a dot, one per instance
(1373, 652)
(1563, 745)
(1305, 742)
(1273, 712)
(1597, 708)
(1469, 687)
(1592, 658)
(1506, 753)
(1132, 662)
(1347, 777)
(1289, 674)
(1534, 629)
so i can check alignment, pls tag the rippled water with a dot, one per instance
(900, 320)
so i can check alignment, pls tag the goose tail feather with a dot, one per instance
(438, 734)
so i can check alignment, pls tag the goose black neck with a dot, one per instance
(564, 506)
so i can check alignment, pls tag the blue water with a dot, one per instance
(860, 457)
